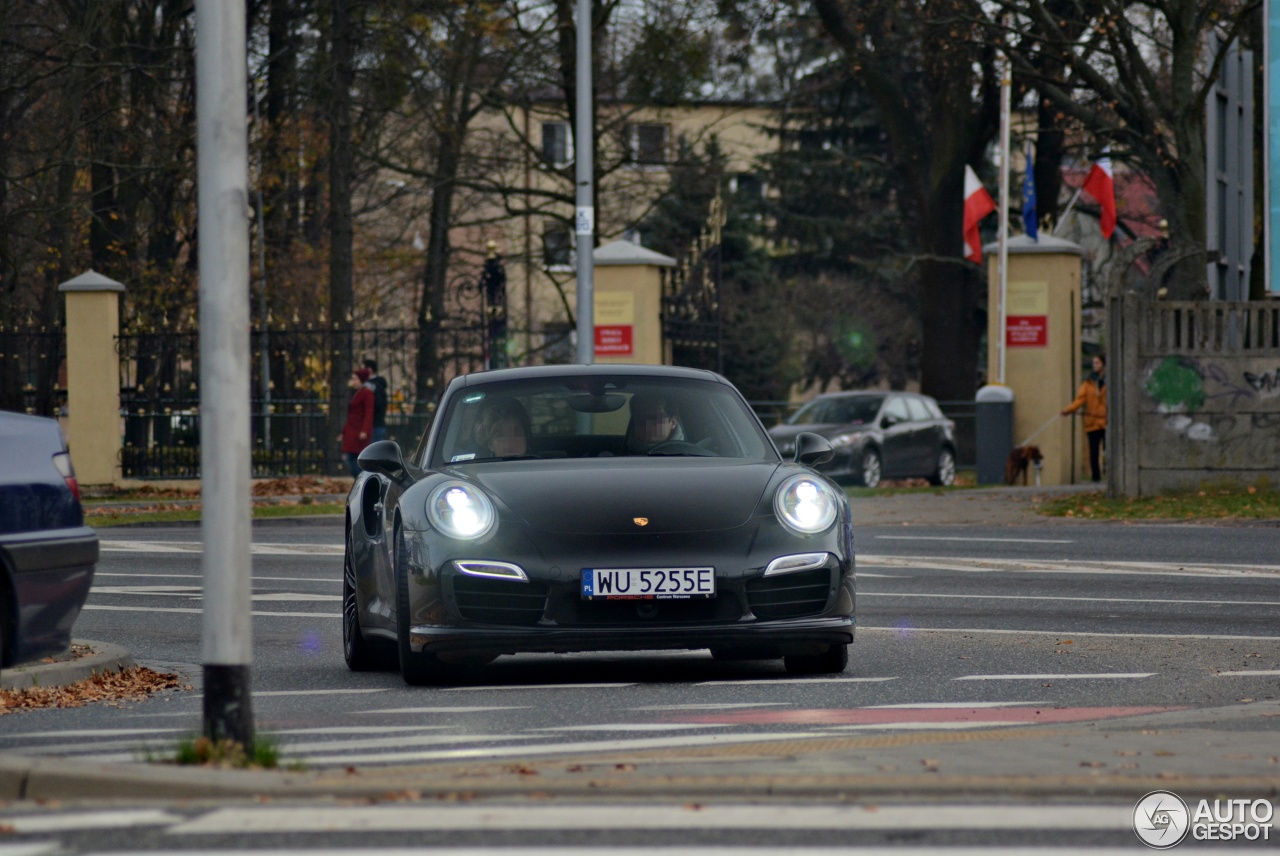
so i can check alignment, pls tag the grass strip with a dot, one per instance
(1239, 504)
(124, 517)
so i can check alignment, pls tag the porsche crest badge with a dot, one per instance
(640, 521)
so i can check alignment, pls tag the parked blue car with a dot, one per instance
(47, 554)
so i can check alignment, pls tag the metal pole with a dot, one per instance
(222, 160)
(1005, 86)
(265, 370)
(584, 167)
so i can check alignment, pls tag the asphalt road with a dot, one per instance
(970, 629)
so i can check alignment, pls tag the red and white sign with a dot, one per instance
(1026, 331)
(614, 340)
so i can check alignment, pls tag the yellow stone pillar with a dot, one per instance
(628, 304)
(1042, 347)
(93, 377)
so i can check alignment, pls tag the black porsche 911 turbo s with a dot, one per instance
(593, 508)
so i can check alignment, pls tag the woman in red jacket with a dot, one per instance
(358, 431)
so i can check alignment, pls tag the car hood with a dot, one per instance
(592, 497)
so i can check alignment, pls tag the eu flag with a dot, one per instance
(1029, 222)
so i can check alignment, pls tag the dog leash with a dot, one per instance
(1040, 430)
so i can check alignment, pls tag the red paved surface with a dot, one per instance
(888, 716)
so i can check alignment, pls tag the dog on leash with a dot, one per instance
(1019, 459)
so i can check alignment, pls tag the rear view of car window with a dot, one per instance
(851, 410)
(896, 407)
(919, 413)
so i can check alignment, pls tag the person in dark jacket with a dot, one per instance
(379, 400)
(358, 430)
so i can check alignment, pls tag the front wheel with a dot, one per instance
(870, 471)
(361, 653)
(944, 473)
(830, 662)
(418, 668)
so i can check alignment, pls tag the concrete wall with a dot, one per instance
(1200, 394)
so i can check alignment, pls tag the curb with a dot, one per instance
(105, 657)
(26, 778)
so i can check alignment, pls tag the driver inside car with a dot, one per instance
(654, 421)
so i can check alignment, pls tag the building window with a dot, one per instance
(557, 145)
(647, 144)
(557, 245)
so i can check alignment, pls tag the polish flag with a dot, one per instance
(977, 204)
(1101, 187)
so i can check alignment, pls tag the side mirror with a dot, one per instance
(813, 449)
(383, 457)
(889, 420)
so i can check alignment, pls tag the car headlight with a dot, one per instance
(461, 511)
(805, 505)
(843, 441)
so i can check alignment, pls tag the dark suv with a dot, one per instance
(876, 435)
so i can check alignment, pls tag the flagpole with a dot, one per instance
(1070, 205)
(1005, 87)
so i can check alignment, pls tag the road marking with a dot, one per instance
(1100, 676)
(197, 593)
(117, 819)
(355, 729)
(771, 680)
(540, 687)
(979, 540)
(194, 611)
(1059, 597)
(441, 709)
(1250, 673)
(698, 850)
(167, 576)
(1025, 566)
(1066, 634)
(284, 819)
(196, 548)
(92, 732)
(954, 705)
(572, 748)
(663, 707)
(632, 726)
(318, 749)
(891, 718)
(318, 692)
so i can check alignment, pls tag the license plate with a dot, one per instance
(648, 583)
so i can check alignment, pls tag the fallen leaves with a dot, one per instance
(121, 685)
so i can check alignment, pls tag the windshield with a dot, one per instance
(850, 410)
(597, 417)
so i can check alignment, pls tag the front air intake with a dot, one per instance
(790, 595)
(494, 601)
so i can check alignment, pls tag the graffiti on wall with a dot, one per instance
(1181, 387)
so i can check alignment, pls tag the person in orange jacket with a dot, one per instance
(1093, 398)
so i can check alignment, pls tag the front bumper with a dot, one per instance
(796, 636)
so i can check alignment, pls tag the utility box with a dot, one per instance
(1041, 347)
(993, 407)
(628, 304)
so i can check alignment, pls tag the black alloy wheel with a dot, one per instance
(361, 653)
(831, 662)
(944, 473)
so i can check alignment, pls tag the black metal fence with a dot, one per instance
(31, 358)
(296, 422)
